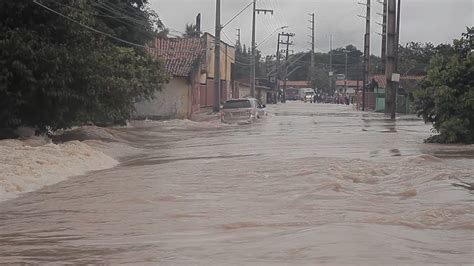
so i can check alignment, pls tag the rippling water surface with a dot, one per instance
(310, 184)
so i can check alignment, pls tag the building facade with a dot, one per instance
(190, 63)
(227, 59)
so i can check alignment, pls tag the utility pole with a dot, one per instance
(278, 56)
(254, 47)
(331, 73)
(384, 34)
(287, 51)
(313, 86)
(238, 37)
(345, 75)
(366, 53)
(397, 41)
(390, 91)
(396, 84)
(217, 60)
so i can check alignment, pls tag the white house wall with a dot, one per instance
(173, 101)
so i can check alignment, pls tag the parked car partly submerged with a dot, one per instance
(245, 110)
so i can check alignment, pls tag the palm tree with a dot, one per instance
(191, 31)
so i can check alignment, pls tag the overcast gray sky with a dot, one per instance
(436, 21)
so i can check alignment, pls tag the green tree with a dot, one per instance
(57, 73)
(191, 31)
(163, 34)
(446, 98)
(300, 64)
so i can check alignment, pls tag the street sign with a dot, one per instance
(395, 77)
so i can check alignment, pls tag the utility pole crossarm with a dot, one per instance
(264, 11)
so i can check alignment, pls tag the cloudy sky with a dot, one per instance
(436, 21)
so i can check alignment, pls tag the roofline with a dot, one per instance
(207, 33)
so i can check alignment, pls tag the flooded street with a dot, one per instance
(309, 184)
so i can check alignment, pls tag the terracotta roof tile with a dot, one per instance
(382, 81)
(179, 54)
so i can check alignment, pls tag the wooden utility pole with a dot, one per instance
(254, 46)
(390, 91)
(312, 70)
(217, 60)
(287, 51)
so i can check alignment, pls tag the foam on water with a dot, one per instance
(31, 164)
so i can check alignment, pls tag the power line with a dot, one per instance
(275, 17)
(227, 37)
(270, 35)
(117, 18)
(103, 14)
(87, 27)
(236, 15)
(115, 11)
(101, 32)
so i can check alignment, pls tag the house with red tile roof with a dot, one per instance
(190, 63)
(182, 59)
(407, 83)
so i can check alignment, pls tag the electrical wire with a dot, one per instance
(88, 27)
(101, 32)
(227, 37)
(236, 15)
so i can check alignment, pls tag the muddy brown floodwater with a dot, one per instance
(310, 184)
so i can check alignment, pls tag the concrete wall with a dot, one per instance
(173, 101)
(244, 92)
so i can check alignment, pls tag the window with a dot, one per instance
(237, 104)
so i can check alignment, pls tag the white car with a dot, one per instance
(245, 110)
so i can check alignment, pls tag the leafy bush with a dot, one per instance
(447, 96)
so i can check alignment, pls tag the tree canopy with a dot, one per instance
(191, 31)
(447, 96)
(75, 61)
